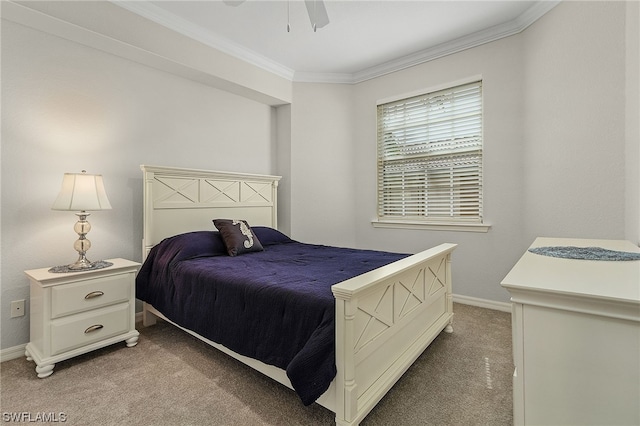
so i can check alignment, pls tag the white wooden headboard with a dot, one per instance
(178, 200)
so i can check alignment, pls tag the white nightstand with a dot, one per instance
(75, 313)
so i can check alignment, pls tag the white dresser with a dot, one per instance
(74, 313)
(576, 337)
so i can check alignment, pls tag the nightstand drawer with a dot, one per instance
(79, 330)
(89, 294)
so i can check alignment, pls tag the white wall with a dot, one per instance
(322, 158)
(283, 166)
(106, 26)
(481, 259)
(574, 129)
(554, 159)
(632, 155)
(68, 107)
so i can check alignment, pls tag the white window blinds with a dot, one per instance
(430, 156)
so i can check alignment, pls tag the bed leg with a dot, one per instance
(449, 327)
(148, 319)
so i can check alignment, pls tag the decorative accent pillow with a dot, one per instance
(237, 236)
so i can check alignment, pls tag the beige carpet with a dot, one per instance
(171, 378)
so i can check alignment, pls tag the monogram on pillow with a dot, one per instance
(244, 229)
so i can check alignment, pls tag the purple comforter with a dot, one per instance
(275, 306)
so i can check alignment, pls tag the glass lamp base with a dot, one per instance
(82, 264)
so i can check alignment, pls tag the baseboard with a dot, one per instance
(12, 353)
(482, 303)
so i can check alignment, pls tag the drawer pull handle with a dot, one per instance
(93, 328)
(94, 294)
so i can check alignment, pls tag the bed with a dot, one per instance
(381, 319)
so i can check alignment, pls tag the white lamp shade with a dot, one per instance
(81, 191)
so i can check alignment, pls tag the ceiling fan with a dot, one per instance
(315, 9)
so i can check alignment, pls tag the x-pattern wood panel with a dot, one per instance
(375, 315)
(438, 272)
(176, 190)
(256, 191)
(379, 311)
(173, 191)
(216, 191)
(410, 292)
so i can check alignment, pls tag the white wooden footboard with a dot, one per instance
(384, 320)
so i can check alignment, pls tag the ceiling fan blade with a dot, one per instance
(317, 13)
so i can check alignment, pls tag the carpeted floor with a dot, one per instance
(171, 378)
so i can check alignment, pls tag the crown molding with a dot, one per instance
(323, 77)
(535, 12)
(166, 19)
(21, 14)
(488, 35)
(195, 32)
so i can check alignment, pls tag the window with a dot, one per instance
(430, 159)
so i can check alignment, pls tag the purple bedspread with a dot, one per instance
(275, 306)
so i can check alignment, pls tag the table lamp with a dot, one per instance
(81, 192)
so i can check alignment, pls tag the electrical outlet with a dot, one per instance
(17, 308)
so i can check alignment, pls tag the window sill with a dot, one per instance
(432, 226)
